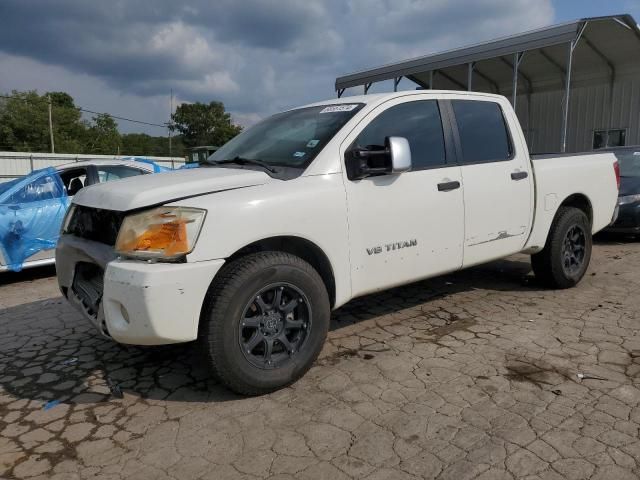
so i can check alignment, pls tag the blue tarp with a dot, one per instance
(32, 209)
(31, 212)
(188, 166)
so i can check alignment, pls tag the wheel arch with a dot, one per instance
(300, 247)
(579, 201)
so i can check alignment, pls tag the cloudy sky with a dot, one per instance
(257, 56)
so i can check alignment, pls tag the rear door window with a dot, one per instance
(484, 136)
(116, 172)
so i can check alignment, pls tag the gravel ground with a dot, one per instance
(470, 376)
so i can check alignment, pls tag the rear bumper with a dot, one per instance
(141, 303)
(628, 219)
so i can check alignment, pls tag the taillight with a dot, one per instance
(616, 168)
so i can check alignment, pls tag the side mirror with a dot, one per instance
(395, 157)
(400, 153)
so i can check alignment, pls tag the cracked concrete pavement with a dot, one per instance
(469, 376)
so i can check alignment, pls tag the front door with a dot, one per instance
(497, 181)
(408, 226)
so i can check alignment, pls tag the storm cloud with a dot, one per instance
(257, 56)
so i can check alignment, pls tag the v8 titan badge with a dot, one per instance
(389, 247)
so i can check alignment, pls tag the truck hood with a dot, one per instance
(156, 189)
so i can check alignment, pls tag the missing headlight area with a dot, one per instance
(95, 224)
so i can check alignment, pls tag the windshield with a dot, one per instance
(289, 139)
(629, 161)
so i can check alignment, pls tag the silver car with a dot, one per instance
(32, 207)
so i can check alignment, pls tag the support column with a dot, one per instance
(517, 58)
(396, 81)
(367, 86)
(567, 85)
(470, 66)
(431, 75)
(567, 91)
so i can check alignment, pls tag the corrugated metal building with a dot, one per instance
(17, 164)
(577, 84)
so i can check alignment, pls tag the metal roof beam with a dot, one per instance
(549, 59)
(554, 35)
(599, 53)
(417, 81)
(487, 79)
(538, 40)
(452, 80)
(636, 30)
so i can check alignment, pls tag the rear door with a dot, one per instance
(403, 227)
(498, 188)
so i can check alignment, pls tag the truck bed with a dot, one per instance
(591, 179)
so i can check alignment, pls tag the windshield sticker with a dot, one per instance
(338, 108)
(298, 154)
(312, 143)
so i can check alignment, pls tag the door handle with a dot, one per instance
(448, 186)
(519, 175)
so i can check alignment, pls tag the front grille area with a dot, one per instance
(88, 284)
(95, 224)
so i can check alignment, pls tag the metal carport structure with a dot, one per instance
(591, 66)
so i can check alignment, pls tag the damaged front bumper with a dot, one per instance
(130, 301)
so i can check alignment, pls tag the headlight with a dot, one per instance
(162, 233)
(628, 199)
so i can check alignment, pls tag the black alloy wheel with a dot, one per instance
(274, 326)
(573, 250)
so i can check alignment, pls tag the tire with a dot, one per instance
(242, 307)
(553, 265)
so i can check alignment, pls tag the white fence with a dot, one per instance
(17, 164)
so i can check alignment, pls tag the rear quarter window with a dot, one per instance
(484, 135)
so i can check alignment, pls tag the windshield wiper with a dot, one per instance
(245, 161)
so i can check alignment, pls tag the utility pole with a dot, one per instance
(53, 148)
(170, 124)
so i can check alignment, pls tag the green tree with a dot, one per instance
(142, 144)
(103, 137)
(24, 122)
(24, 126)
(204, 124)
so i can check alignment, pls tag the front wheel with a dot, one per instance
(264, 323)
(566, 255)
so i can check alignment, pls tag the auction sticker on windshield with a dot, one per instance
(338, 108)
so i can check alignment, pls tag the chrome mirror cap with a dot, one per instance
(400, 153)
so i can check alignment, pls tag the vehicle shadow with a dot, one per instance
(48, 352)
(610, 238)
(28, 275)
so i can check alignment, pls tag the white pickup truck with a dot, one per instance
(315, 206)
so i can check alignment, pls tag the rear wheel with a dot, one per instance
(264, 322)
(565, 258)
